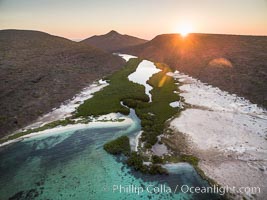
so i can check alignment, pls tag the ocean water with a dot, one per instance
(73, 165)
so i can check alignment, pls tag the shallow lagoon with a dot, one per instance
(73, 165)
(142, 74)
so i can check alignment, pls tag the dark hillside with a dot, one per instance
(237, 64)
(113, 41)
(38, 71)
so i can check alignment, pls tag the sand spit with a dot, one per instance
(104, 121)
(227, 133)
(65, 110)
(69, 106)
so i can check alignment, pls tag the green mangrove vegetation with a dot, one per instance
(109, 99)
(157, 159)
(153, 115)
(136, 161)
(119, 146)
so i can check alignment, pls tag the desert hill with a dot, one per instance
(39, 71)
(233, 63)
(113, 41)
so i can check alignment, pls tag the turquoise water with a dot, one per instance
(73, 165)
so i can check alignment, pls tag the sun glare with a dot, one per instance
(185, 29)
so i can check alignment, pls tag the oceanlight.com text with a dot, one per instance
(162, 188)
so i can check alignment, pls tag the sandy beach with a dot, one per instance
(104, 121)
(66, 108)
(227, 133)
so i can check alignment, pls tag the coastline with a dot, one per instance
(69, 106)
(233, 142)
(63, 111)
(127, 121)
(228, 147)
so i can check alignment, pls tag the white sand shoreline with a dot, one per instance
(137, 140)
(227, 133)
(72, 127)
(63, 111)
(69, 106)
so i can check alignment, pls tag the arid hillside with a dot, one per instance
(113, 41)
(237, 64)
(39, 71)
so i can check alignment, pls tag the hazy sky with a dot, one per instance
(143, 18)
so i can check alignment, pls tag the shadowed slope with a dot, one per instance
(113, 41)
(39, 71)
(233, 63)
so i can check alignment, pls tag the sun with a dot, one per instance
(185, 29)
(184, 32)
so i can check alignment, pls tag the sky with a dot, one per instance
(79, 19)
